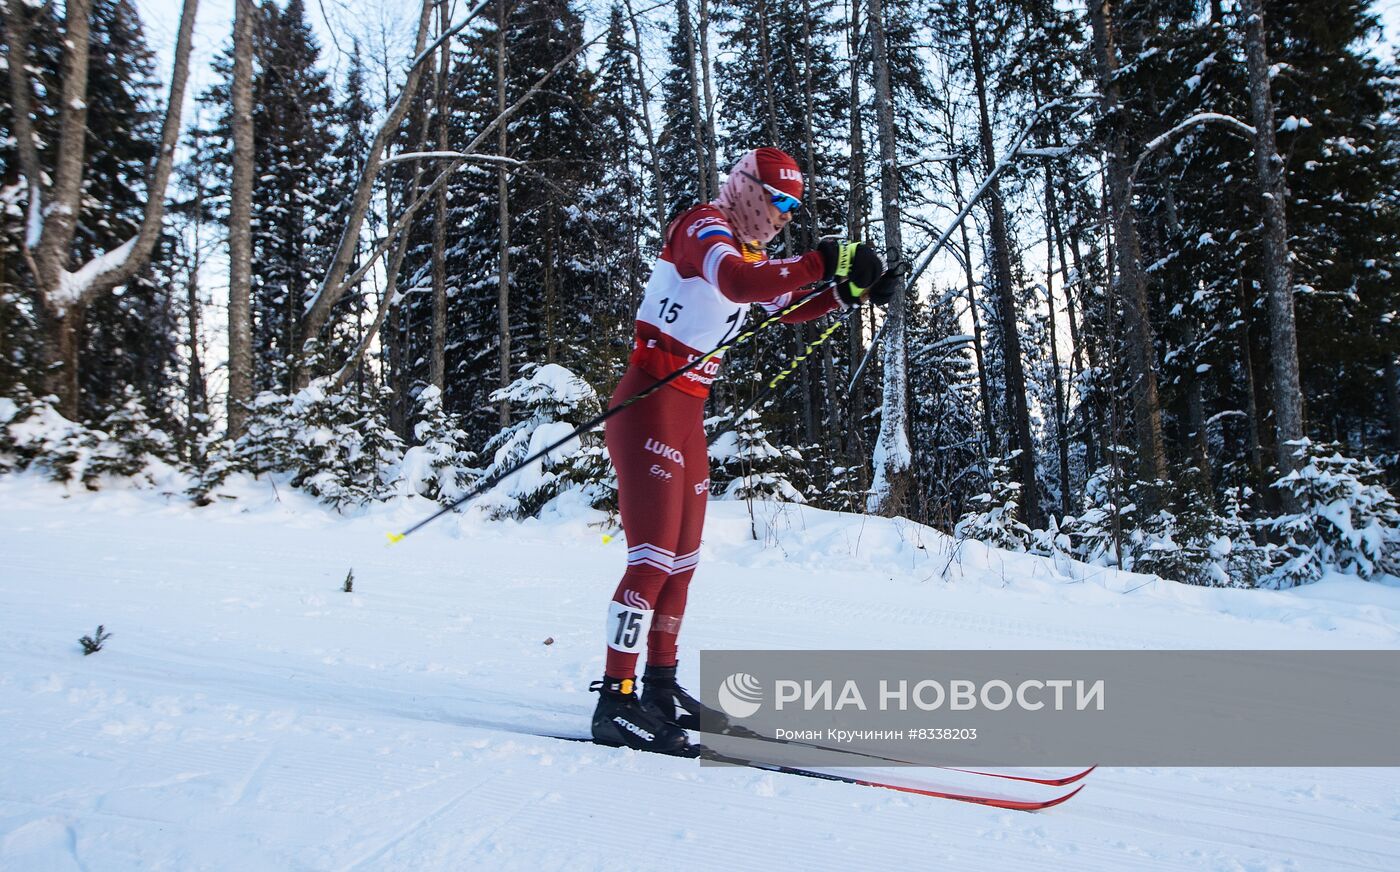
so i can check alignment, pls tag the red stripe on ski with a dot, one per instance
(1049, 782)
(993, 801)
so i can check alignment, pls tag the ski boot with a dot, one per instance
(621, 719)
(676, 705)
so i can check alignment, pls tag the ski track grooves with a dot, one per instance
(248, 715)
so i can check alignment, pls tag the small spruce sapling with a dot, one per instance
(92, 644)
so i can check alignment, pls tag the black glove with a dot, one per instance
(885, 287)
(854, 265)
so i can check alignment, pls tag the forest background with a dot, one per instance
(388, 253)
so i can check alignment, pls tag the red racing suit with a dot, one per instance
(699, 292)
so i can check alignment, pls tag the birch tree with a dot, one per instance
(240, 243)
(62, 295)
(891, 460)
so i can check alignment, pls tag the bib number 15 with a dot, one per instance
(627, 627)
(670, 311)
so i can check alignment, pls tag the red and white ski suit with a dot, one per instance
(696, 300)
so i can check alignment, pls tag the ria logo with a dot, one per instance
(740, 695)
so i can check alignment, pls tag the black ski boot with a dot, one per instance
(676, 705)
(622, 719)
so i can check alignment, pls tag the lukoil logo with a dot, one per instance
(740, 695)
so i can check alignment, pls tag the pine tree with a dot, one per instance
(748, 466)
(619, 206)
(564, 227)
(678, 145)
(292, 200)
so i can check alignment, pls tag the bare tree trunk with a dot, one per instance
(1278, 267)
(765, 56)
(697, 121)
(437, 368)
(1196, 417)
(855, 438)
(826, 385)
(893, 474)
(711, 158)
(645, 93)
(63, 296)
(984, 392)
(240, 219)
(196, 399)
(1079, 349)
(551, 297)
(503, 215)
(1132, 282)
(814, 395)
(61, 214)
(196, 393)
(1061, 419)
(1256, 449)
(1016, 401)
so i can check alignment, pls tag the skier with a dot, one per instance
(711, 268)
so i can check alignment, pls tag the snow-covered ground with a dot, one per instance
(248, 714)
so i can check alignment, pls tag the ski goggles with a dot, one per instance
(781, 200)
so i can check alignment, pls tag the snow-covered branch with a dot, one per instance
(1052, 151)
(455, 155)
(1194, 121)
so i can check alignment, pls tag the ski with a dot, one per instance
(987, 799)
(1049, 781)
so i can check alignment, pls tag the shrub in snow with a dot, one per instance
(747, 466)
(1345, 517)
(34, 435)
(439, 466)
(128, 445)
(993, 517)
(337, 447)
(1252, 559)
(131, 443)
(551, 402)
(1101, 533)
(1190, 546)
(92, 644)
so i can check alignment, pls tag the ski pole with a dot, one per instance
(792, 367)
(902, 266)
(491, 481)
(777, 379)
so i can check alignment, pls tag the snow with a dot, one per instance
(248, 714)
(72, 286)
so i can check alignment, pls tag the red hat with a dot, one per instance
(777, 168)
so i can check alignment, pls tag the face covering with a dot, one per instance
(748, 204)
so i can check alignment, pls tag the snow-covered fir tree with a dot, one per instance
(746, 465)
(551, 402)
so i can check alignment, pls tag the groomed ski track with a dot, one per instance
(247, 714)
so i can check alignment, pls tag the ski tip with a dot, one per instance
(607, 537)
(394, 538)
(1051, 803)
